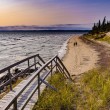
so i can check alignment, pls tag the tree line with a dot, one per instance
(103, 26)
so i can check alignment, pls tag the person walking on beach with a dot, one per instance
(75, 43)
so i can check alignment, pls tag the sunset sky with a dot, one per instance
(50, 12)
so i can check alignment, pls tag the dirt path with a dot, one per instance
(80, 58)
(103, 48)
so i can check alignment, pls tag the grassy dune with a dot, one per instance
(61, 100)
(105, 38)
(94, 90)
(91, 92)
(99, 37)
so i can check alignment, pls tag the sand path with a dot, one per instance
(80, 58)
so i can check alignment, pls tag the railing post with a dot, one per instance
(63, 70)
(10, 79)
(41, 59)
(28, 67)
(56, 65)
(35, 62)
(15, 104)
(38, 85)
(28, 63)
(51, 68)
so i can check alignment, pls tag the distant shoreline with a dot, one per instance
(44, 30)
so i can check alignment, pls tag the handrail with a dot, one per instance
(14, 77)
(11, 77)
(11, 66)
(52, 64)
(63, 66)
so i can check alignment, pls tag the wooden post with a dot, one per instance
(63, 70)
(28, 63)
(15, 104)
(38, 85)
(56, 65)
(28, 67)
(10, 79)
(51, 68)
(35, 62)
(41, 59)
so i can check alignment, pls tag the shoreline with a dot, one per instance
(81, 58)
(64, 48)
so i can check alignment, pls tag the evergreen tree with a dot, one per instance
(101, 27)
(93, 29)
(107, 26)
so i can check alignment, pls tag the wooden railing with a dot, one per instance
(6, 75)
(47, 69)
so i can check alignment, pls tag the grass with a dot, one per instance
(95, 91)
(91, 92)
(106, 39)
(61, 100)
(98, 37)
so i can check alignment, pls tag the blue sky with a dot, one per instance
(49, 12)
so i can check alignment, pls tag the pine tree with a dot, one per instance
(103, 26)
(93, 29)
(107, 26)
(99, 26)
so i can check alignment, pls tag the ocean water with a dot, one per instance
(15, 46)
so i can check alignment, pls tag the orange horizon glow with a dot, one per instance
(45, 12)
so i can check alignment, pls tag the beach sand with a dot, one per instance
(80, 58)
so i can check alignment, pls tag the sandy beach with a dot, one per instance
(80, 58)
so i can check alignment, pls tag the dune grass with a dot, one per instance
(91, 92)
(94, 91)
(98, 37)
(61, 100)
(106, 39)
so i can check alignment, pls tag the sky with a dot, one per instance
(51, 12)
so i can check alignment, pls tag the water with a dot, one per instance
(15, 46)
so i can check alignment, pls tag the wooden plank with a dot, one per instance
(2, 75)
(27, 96)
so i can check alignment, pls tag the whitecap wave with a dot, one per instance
(63, 49)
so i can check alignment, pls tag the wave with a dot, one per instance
(63, 49)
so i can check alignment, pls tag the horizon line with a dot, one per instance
(45, 25)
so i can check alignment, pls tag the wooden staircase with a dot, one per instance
(27, 92)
